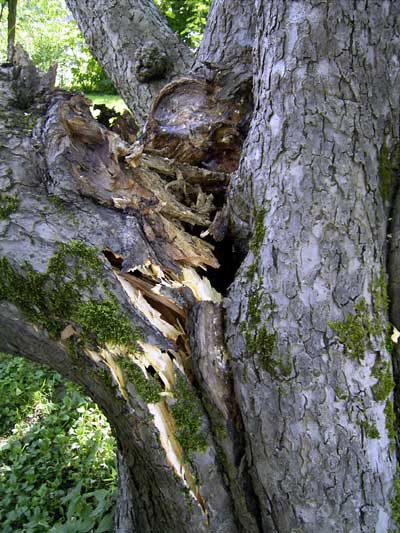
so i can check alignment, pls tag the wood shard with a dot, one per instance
(200, 286)
(109, 355)
(67, 332)
(165, 424)
(208, 179)
(160, 361)
(150, 292)
(153, 316)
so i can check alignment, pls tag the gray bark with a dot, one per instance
(326, 101)
(225, 54)
(115, 31)
(289, 413)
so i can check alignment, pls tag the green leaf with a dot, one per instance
(106, 524)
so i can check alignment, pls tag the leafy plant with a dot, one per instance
(186, 17)
(57, 464)
(48, 32)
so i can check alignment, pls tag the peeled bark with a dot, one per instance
(308, 309)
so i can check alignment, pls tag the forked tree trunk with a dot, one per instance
(290, 429)
(119, 36)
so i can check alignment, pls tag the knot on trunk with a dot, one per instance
(190, 123)
(151, 62)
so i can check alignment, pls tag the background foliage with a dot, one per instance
(186, 17)
(57, 455)
(47, 30)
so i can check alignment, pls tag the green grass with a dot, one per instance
(57, 455)
(110, 100)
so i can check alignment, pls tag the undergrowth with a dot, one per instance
(57, 455)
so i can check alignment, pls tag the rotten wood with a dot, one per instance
(208, 179)
(95, 156)
(190, 123)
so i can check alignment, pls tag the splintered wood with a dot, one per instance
(167, 197)
(171, 182)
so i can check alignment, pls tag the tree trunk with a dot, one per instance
(225, 54)
(102, 267)
(86, 234)
(11, 27)
(308, 309)
(133, 43)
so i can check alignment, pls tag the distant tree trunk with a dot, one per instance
(11, 27)
(269, 409)
(119, 36)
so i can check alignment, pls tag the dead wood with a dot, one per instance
(191, 124)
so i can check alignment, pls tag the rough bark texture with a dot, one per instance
(119, 34)
(290, 429)
(226, 51)
(307, 311)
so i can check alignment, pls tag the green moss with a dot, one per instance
(388, 170)
(380, 301)
(256, 241)
(390, 420)
(56, 297)
(251, 271)
(78, 260)
(187, 412)
(148, 389)
(8, 205)
(258, 231)
(57, 202)
(105, 376)
(382, 371)
(26, 290)
(370, 429)
(341, 394)
(259, 339)
(354, 331)
(379, 293)
(105, 320)
(395, 502)
(263, 342)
